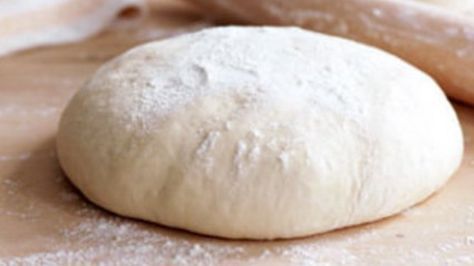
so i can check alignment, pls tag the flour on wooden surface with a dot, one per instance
(109, 240)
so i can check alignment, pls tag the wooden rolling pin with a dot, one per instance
(435, 35)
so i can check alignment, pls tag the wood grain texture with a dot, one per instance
(44, 219)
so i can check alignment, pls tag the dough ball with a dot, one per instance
(258, 133)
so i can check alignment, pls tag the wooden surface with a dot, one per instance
(44, 220)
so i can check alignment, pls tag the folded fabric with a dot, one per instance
(30, 23)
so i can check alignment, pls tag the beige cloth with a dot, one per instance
(30, 23)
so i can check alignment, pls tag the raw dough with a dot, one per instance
(258, 133)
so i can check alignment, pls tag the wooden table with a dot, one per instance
(43, 219)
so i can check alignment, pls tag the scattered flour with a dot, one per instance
(104, 239)
(25, 156)
(18, 157)
(29, 111)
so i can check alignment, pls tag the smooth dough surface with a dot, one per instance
(259, 133)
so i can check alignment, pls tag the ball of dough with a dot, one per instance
(258, 133)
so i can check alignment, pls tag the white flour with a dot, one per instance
(104, 239)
